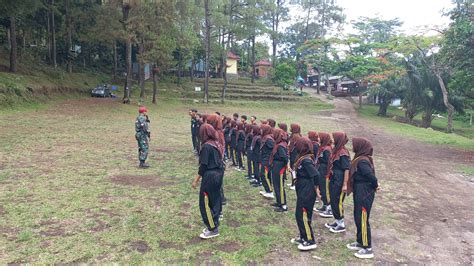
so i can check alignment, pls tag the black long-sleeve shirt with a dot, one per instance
(233, 138)
(266, 150)
(257, 156)
(209, 159)
(281, 155)
(307, 170)
(240, 141)
(365, 174)
(293, 156)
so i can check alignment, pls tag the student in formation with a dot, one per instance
(142, 135)
(283, 127)
(227, 126)
(216, 122)
(240, 147)
(323, 157)
(307, 177)
(233, 141)
(194, 129)
(253, 120)
(235, 117)
(248, 151)
(338, 167)
(243, 119)
(279, 162)
(211, 171)
(295, 130)
(363, 183)
(256, 155)
(266, 148)
(271, 122)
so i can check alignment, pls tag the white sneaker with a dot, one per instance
(305, 246)
(365, 253)
(269, 195)
(354, 246)
(262, 192)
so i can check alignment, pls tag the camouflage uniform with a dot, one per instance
(142, 134)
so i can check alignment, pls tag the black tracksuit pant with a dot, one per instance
(226, 151)
(210, 201)
(336, 195)
(306, 196)
(194, 137)
(324, 185)
(278, 170)
(250, 170)
(364, 195)
(256, 170)
(240, 162)
(266, 177)
(233, 154)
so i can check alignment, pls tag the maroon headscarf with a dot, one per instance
(340, 140)
(280, 137)
(210, 136)
(240, 128)
(304, 146)
(215, 121)
(363, 151)
(271, 122)
(313, 136)
(295, 134)
(267, 133)
(326, 143)
(283, 126)
(256, 136)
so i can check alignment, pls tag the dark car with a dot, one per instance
(101, 91)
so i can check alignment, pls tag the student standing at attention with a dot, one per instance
(323, 157)
(338, 168)
(307, 177)
(279, 162)
(211, 171)
(364, 184)
(266, 149)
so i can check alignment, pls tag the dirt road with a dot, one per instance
(424, 213)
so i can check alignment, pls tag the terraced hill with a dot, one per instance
(242, 90)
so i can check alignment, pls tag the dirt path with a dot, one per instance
(424, 213)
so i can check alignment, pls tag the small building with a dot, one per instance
(232, 62)
(261, 68)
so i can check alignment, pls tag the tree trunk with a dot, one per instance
(446, 102)
(13, 45)
(128, 78)
(114, 48)
(69, 36)
(154, 84)
(427, 118)
(53, 36)
(208, 49)
(383, 106)
(191, 71)
(253, 59)
(141, 70)
(180, 67)
(48, 21)
(318, 82)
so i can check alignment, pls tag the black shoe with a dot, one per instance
(255, 181)
(257, 185)
(297, 240)
(305, 246)
(321, 209)
(281, 209)
(329, 226)
(143, 165)
(274, 204)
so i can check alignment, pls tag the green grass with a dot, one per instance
(467, 170)
(426, 135)
(64, 198)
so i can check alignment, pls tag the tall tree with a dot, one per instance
(207, 45)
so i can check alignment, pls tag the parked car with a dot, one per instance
(101, 91)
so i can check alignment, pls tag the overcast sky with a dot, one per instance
(413, 13)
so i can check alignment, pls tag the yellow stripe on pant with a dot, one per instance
(208, 211)
(328, 194)
(268, 180)
(365, 240)
(341, 200)
(306, 225)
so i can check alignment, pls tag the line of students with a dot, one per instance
(320, 167)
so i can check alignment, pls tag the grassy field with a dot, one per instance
(464, 141)
(70, 190)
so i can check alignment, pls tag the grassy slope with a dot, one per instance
(60, 204)
(426, 135)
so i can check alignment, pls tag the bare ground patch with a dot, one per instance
(145, 181)
(169, 245)
(140, 246)
(230, 246)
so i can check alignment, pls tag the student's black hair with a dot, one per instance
(244, 117)
(254, 117)
(236, 115)
(194, 110)
(218, 113)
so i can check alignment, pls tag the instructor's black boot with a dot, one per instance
(143, 164)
